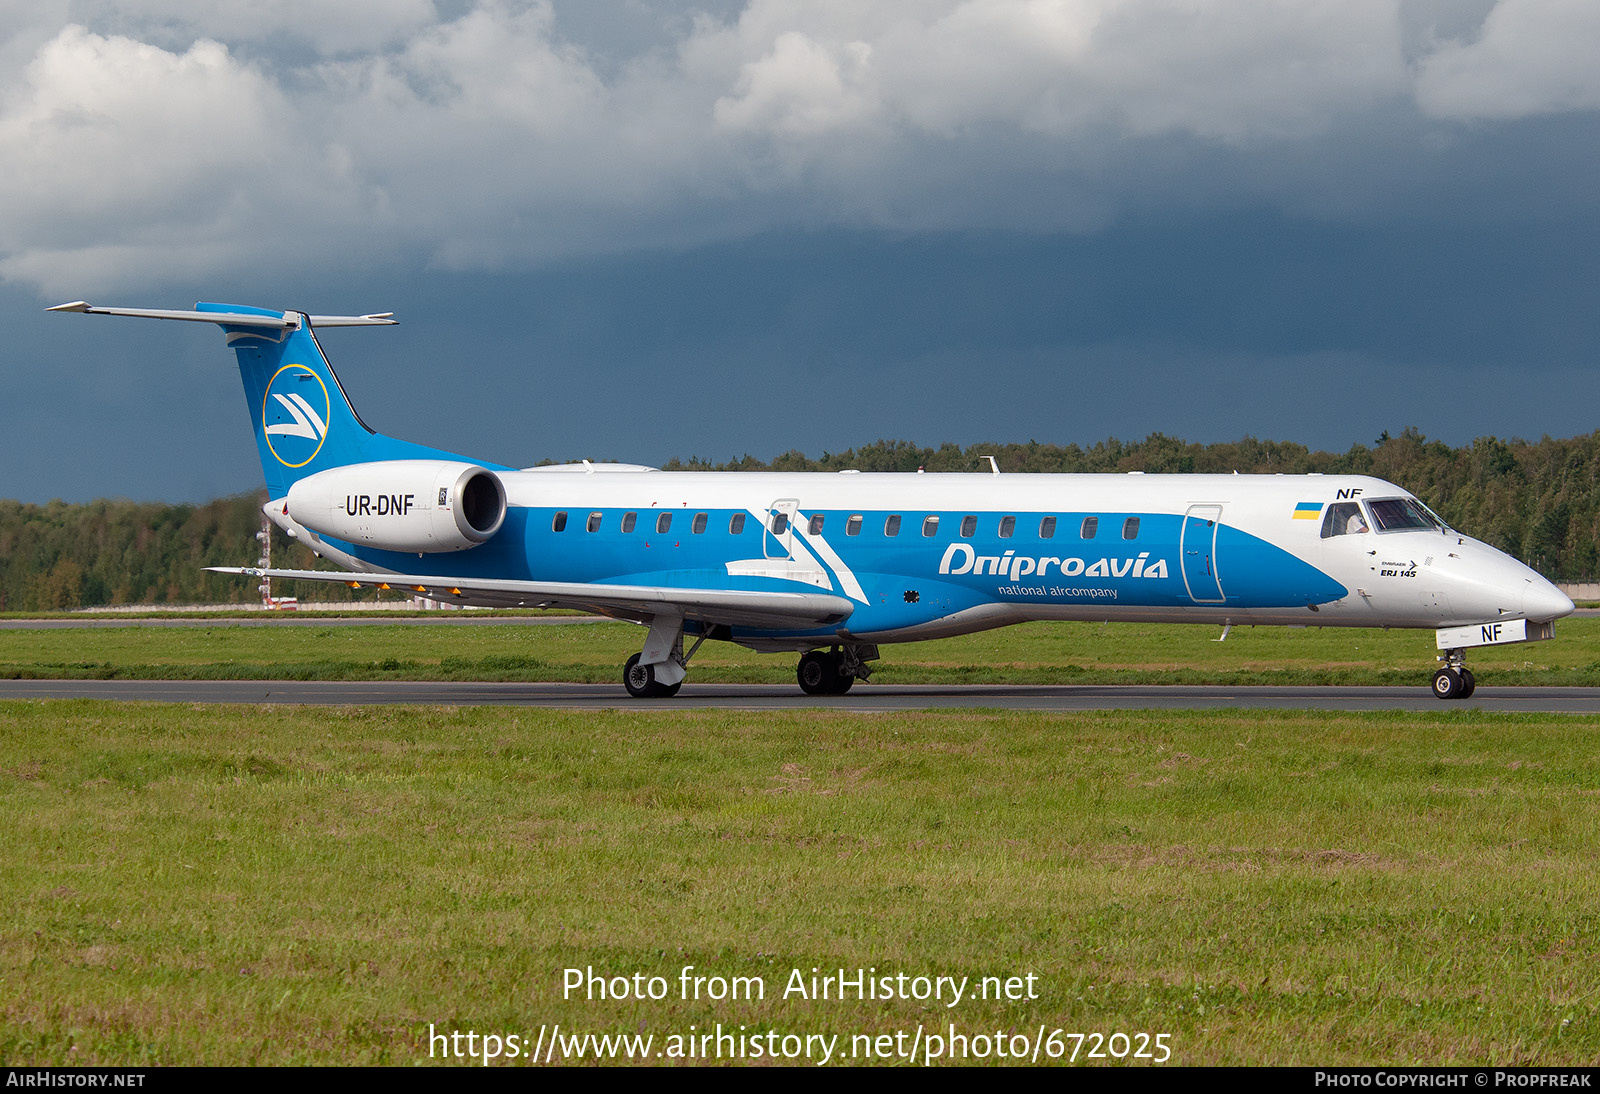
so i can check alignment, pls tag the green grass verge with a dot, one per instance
(230, 885)
(1036, 653)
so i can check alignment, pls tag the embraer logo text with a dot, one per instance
(365, 505)
(960, 558)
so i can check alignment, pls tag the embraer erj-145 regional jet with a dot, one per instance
(831, 566)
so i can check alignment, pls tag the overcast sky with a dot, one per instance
(631, 229)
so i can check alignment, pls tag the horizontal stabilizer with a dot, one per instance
(640, 603)
(286, 321)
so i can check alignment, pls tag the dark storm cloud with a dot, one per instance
(639, 231)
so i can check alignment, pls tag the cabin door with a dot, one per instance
(1198, 549)
(778, 539)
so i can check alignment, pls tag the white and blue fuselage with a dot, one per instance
(837, 564)
(925, 556)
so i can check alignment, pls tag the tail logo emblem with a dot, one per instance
(294, 415)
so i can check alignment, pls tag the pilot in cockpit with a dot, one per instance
(1344, 519)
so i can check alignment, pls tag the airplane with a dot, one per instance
(833, 566)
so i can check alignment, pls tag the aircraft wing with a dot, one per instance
(639, 603)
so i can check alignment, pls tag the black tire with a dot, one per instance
(818, 674)
(640, 680)
(1469, 683)
(842, 681)
(1447, 684)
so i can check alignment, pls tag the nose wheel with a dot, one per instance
(1455, 680)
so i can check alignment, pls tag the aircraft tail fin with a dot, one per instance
(302, 419)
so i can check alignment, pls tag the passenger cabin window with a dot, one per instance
(1008, 526)
(930, 527)
(852, 527)
(594, 522)
(1130, 528)
(1343, 519)
(699, 524)
(559, 523)
(780, 523)
(1047, 528)
(629, 520)
(816, 525)
(969, 525)
(663, 522)
(891, 526)
(1091, 525)
(736, 524)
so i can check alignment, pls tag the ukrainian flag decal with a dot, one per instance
(1308, 510)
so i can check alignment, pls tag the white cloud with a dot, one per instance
(1532, 57)
(325, 26)
(802, 88)
(122, 158)
(1230, 70)
(166, 140)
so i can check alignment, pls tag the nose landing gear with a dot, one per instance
(1454, 681)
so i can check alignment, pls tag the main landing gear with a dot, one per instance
(831, 673)
(1454, 681)
(641, 682)
(657, 671)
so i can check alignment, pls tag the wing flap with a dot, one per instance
(736, 607)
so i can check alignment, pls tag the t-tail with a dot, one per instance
(302, 419)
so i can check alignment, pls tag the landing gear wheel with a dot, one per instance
(818, 674)
(842, 680)
(1448, 684)
(1468, 684)
(640, 680)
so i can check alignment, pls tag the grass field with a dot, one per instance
(278, 885)
(1035, 653)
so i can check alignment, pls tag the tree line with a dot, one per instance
(57, 556)
(1538, 501)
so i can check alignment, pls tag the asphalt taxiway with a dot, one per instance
(868, 698)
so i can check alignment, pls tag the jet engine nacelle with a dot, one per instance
(402, 505)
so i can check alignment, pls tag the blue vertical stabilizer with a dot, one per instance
(302, 420)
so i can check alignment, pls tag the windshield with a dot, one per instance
(1403, 514)
(1437, 519)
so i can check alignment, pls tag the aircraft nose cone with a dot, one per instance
(1542, 601)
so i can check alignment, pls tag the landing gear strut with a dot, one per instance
(657, 671)
(1454, 681)
(831, 673)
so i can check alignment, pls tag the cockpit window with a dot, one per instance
(1344, 518)
(1437, 519)
(1402, 514)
